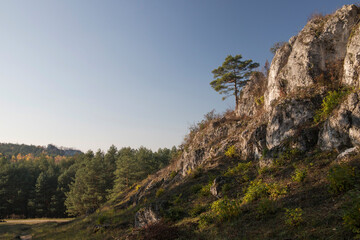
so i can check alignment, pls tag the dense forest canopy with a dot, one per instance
(11, 149)
(47, 182)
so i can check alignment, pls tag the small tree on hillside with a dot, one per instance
(232, 76)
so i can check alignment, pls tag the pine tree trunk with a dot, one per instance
(236, 95)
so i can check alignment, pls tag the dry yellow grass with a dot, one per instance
(35, 220)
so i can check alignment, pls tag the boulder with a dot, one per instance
(216, 187)
(146, 216)
(266, 162)
(347, 152)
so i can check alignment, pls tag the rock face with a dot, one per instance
(252, 96)
(205, 144)
(212, 142)
(286, 118)
(352, 59)
(342, 130)
(323, 40)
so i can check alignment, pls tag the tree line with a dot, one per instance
(49, 186)
(13, 150)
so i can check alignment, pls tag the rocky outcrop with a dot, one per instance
(205, 144)
(276, 86)
(251, 100)
(248, 136)
(347, 152)
(286, 118)
(216, 187)
(342, 129)
(322, 40)
(352, 58)
(257, 142)
(146, 216)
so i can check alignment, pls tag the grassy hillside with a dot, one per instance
(301, 196)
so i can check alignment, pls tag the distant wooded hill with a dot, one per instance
(11, 149)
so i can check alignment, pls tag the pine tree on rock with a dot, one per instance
(232, 76)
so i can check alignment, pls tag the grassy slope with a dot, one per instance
(186, 204)
(21, 227)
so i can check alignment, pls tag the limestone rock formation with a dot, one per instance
(322, 41)
(275, 109)
(342, 130)
(286, 118)
(252, 96)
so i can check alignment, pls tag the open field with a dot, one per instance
(23, 228)
(35, 220)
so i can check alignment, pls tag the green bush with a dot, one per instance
(226, 187)
(160, 192)
(287, 156)
(197, 210)
(341, 178)
(352, 213)
(241, 169)
(101, 219)
(231, 152)
(275, 190)
(265, 207)
(293, 216)
(329, 103)
(194, 189)
(175, 213)
(205, 219)
(177, 199)
(266, 170)
(225, 209)
(299, 175)
(205, 190)
(256, 190)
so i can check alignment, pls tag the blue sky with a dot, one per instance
(88, 74)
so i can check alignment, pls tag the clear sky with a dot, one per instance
(88, 74)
